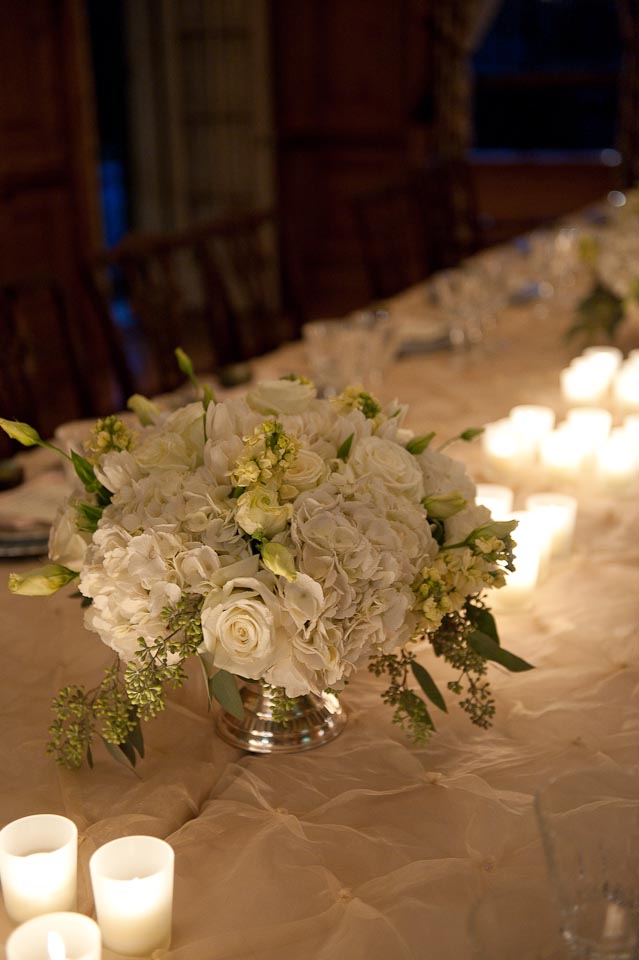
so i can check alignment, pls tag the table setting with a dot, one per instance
(446, 518)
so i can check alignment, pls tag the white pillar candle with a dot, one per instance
(562, 454)
(132, 880)
(626, 387)
(529, 552)
(496, 498)
(507, 451)
(533, 420)
(556, 513)
(584, 381)
(38, 865)
(616, 462)
(56, 936)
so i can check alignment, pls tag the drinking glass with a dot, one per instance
(516, 924)
(589, 823)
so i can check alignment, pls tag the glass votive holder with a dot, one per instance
(56, 936)
(616, 462)
(626, 387)
(589, 824)
(562, 455)
(496, 498)
(556, 513)
(507, 452)
(584, 382)
(534, 420)
(132, 879)
(38, 865)
(592, 424)
(530, 554)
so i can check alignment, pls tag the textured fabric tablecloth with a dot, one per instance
(367, 848)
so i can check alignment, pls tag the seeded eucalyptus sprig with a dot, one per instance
(467, 640)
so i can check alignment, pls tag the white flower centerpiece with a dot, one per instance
(277, 537)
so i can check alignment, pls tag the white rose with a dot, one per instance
(176, 443)
(442, 474)
(395, 465)
(240, 627)
(117, 469)
(281, 396)
(67, 544)
(260, 511)
(307, 471)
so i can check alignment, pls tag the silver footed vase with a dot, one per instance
(312, 721)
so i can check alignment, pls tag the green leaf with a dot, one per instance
(428, 685)
(119, 754)
(128, 752)
(486, 647)
(418, 444)
(345, 449)
(90, 758)
(483, 620)
(202, 664)
(223, 688)
(136, 739)
(89, 516)
(84, 470)
(237, 492)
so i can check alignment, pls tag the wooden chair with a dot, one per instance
(140, 295)
(239, 259)
(422, 222)
(393, 236)
(43, 379)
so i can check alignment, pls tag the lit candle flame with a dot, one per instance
(55, 946)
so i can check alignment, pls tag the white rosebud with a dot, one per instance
(260, 512)
(278, 559)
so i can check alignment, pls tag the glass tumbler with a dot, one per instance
(589, 823)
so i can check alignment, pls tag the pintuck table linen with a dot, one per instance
(369, 848)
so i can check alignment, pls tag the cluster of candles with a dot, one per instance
(545, 530)
(132, 880)
(600, 375)
(583, 449)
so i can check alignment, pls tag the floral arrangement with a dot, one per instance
(611, 257)
(276, 537)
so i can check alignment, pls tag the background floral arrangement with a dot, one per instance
(277, 537)
(611, 258)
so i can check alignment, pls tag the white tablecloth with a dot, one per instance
(367, 848)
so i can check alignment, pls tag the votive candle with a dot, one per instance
(38, 865)
(562, 454)
(534, 420)
(496, 498)
(529, 552)
(56, 936)
(556, 514)
(616, 461)
(591, 425)
(132, 880)
(507, 451)
(584, 381)
(626, 387)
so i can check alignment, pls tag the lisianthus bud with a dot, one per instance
(278, 559)
(144, 409)
(444, 505)
(41, 581)
(21, 432)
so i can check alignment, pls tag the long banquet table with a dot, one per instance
(368, 847)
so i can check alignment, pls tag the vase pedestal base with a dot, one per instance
(313, 721)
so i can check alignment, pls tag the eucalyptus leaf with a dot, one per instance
(136, 739)
(206, 679)
(90, 758)
(428, 685)
(486, 647)
(484, 621)
(345, 449)
(119, 754)
(223, 688)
